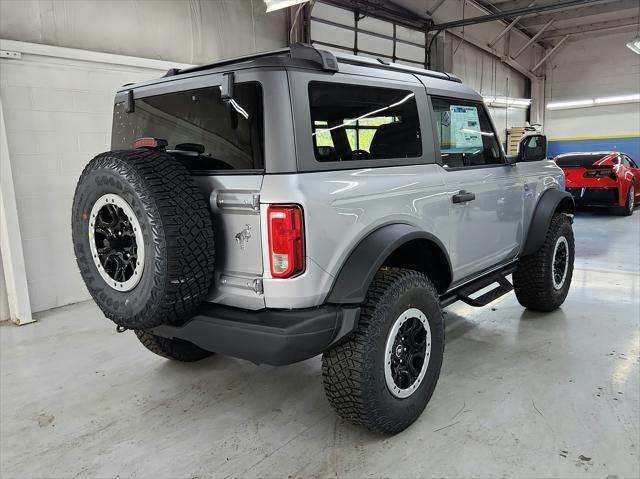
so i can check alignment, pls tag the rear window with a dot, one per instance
(352, 122)
(202, 131)
(581, 161)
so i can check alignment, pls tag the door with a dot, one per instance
(487, 195)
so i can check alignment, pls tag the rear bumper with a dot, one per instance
(584, 196)
(268, 336)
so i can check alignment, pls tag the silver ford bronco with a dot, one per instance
(299, 202)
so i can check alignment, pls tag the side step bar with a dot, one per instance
(463, 293)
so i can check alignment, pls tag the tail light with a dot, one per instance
(601, 174)
(150, 143)
(286, 240)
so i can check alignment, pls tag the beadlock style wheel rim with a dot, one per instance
(560, 262)
(116, 242)
(407, 353)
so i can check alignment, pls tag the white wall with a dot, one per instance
(58, 116)
(187, 31)
(593, 67)
(4, 303)
(490, 77)
(58, 104)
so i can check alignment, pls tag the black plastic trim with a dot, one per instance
(355, 276)
(466, 289)
(545, 209)
(268, 336)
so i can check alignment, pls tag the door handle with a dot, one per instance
(463, 196)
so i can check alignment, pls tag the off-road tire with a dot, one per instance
(353, 371)
(629, 204)
(533, 280)
(176, 349)
(177, 234)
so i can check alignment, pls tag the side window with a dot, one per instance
(465, 134)
(354, 122)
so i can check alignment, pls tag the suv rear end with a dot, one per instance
(223, 145)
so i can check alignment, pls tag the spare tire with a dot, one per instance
(143, 238)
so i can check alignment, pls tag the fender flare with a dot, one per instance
(357, 272)
(550, 201)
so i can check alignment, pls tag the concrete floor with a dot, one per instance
(521, 395)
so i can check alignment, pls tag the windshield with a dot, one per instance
(207, 132)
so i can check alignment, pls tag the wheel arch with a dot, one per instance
(551, 201)
(392, 245)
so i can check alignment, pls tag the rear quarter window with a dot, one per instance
(354, 122)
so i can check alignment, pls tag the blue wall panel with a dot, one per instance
(630, 146)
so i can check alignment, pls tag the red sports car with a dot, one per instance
(602, 179)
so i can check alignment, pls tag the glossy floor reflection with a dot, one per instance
(521, 395)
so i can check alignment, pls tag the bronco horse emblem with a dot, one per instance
(243, 237)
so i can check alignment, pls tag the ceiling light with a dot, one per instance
(559, 105)
(278, 4)
(634, 45)
(507, 101)
(618, 99)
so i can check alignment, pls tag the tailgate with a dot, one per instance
(235, 206)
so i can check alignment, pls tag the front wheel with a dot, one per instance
(383, 376)
(542, 280)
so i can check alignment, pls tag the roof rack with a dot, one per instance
(325, 59)
(385, 65)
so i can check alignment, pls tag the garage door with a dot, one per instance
(342, 30)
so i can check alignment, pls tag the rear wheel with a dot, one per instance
(176, 349)
(383, 376)
(627, 209)
(542, 279)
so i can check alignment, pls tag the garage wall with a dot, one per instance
(187, 31)
(57, 102)
(593, 67)
(58, 116)
(490, 77)
(4, 303)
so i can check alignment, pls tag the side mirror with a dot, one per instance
(532, 148)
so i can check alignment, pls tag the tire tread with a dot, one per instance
(343, 367)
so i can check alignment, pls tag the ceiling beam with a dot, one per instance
(607, 7)
(533, 39)
(592, 27)
(506, 30)
(515, 4)
(435, 7)
(550, 52)
(525, 12)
